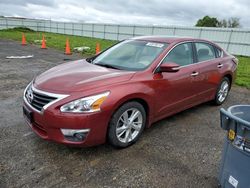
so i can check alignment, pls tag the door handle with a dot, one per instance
(195, 74)
(220, 65)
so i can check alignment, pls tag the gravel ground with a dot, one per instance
(181, 151)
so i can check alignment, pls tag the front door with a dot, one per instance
(177, 91)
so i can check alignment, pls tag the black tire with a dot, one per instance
(113, 125)
(217, 100)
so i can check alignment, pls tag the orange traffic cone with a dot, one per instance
(67, 48)
(43, 43)
(23, 39)
(97, 48)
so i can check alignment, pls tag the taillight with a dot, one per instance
(235, 60)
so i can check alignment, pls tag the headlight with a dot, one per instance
(87, 104)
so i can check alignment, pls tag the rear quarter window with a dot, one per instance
(218, 52)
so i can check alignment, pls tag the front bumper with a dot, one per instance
(48, 126)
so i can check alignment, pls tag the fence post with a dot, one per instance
(229, 39)
(104, 31)
(118, 31)
(153, 28)
(22, 22)
(200, 33)
(6, 21)
(174, 31)
(50, 25)
(134, 31)
(92, 30)
(64, 28)
(82, 30)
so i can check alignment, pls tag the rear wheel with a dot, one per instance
(127, 124)
(222, 91)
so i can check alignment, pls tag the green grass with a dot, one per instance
(243, 72)
(57, 41)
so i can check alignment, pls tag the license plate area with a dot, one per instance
(28, 114)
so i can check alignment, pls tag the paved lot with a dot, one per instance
(181, 151)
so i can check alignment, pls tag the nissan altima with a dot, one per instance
(116, 94)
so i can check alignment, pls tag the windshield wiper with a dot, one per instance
(89, 60)
(107, 66)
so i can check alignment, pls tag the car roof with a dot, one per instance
(168, 39)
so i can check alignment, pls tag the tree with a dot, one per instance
(222, 23)
(207, 21)
(230, 23)
(233, 22)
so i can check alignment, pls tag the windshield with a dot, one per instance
(130, 55)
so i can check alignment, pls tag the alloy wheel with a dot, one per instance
(223, 92)
(129, 125)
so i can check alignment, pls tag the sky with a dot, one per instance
(146, 12)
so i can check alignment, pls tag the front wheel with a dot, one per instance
(127, 124)
(222, 91)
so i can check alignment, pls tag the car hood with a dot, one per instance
(79, 75)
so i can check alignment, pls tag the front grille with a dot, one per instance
(38, 100)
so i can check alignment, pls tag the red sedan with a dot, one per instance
(114, 95)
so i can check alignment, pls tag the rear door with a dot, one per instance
(209, 70)
(176, 91)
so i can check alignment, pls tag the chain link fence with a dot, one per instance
(235, 41)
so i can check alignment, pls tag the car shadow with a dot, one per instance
(160, 125)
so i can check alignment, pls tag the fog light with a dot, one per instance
(80, 136)
(75, 135)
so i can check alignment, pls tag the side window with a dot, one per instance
(181, 54)
(204, 51)
(218, 52)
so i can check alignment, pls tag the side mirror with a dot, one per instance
(169, 67)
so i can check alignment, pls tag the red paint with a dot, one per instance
(164, 93)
